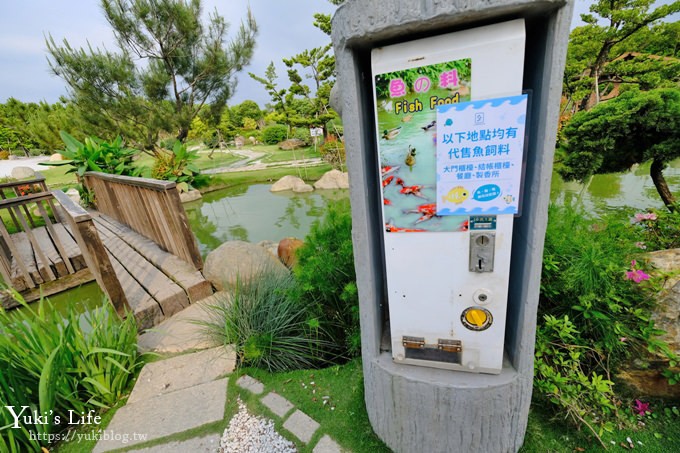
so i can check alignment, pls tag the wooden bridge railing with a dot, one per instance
(40, 255)
(23, 206)
(150, 207)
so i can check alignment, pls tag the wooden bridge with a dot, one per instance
(137, 244)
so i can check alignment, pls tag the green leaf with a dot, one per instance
(72, 144)
(46, 385)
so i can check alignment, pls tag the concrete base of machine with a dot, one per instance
(425, 409)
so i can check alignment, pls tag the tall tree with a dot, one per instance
(170, 65)
(320, 67)
(593, 46)
(634, 127)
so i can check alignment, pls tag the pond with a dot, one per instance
(602, 193)
(252, 213)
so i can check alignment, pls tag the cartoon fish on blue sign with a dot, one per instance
(487, 192)
(456, 195)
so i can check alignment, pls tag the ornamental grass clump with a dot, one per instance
(60, 366)
(268, 329)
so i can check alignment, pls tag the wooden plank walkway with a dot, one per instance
(156, 283)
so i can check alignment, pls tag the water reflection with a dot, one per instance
(612, 191)
(82, 300)
(252, 213)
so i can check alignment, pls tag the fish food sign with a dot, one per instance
(406, 103)
(480, 147)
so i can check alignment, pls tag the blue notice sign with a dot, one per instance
(480, 146)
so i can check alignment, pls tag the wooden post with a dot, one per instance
(96, 257)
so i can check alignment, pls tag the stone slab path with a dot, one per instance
(180, 333)
(301, 425)
(168, 399)
(188, 391)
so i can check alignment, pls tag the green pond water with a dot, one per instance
(252, 213)
(602, 193)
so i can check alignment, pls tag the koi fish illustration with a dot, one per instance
(386, 170)
(387, 181)
(410, 190)
(393, 229)
(427, 211)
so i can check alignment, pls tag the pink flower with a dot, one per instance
(640, 245)
(641, 408)
(637, 275)
(640, 216)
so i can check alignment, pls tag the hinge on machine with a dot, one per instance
(413, 342)
(450, 345)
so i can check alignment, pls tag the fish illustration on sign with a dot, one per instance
(387, 169)
(456, 195)
(410, 190)
(427, 211)
(387, 181)
(394, 229)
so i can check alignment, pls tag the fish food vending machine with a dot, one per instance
(450, 122)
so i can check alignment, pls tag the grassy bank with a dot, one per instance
(224, 180)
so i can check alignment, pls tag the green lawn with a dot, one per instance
(223, 180)
(343, 417)
(274, 154)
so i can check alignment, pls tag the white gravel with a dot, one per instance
(250, 434)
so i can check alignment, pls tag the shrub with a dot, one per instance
(302, 133)
(272, 135)
(333, 151)
(4, 155)
(326, 277)
(58, 362)
(593, 315)
(268, 329)
(177, 165)
(97, 155)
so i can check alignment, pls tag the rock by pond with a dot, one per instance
(293, 183)
(192, 195)
(334, 179)
(291, 143)
(644, 375)
(238, 260)
(23, 173)
(286, 251)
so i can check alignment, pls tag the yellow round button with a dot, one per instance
(476, 318)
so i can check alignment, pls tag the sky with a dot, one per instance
(285, 29)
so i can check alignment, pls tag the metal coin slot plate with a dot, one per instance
(482, 251)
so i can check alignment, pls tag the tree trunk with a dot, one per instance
(656, 172)
(182, 133)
